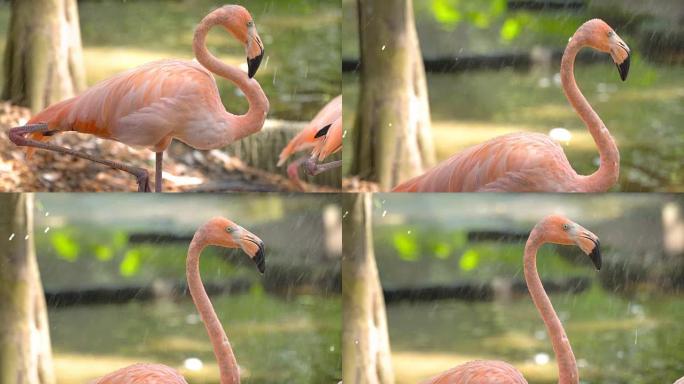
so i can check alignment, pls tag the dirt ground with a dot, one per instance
(185, 169)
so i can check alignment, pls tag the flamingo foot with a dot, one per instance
(313, 169)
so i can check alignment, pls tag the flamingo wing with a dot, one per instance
(306, 138)
(145, 106)
(518, 162)
(331, 142)
(143, 374)
(480, 372)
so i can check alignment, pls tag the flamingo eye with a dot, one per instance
(229, 229)
(566, 227)
(610, 33)
(250, 23)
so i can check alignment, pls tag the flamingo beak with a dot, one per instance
(595, 255)
(623, 68)
(254, 247)
(590, 244)
(254, 63)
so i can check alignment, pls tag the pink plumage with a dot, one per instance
(531, 162)
(480, 372)
(151, 105)
(143, 373)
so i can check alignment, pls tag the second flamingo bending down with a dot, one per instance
(171, 99)
(552, 229)
(324, 135)
(533, 162)
(219, 232)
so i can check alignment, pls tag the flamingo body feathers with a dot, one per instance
(146, 107)
(480, 372)
(143, 373)
(516, 162)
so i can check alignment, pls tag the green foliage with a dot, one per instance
(406, 246)
(479, 13)
(469, 260)
(130, 265)
(65, 245)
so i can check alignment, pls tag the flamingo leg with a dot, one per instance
(17, 136)
(313, 169)
(158, 172)
(293, 173)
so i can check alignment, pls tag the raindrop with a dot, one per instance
(332, 348)
(345, 214)
(26, 237)
(47, 214)
(408, 232)
(384, 213)
(11, 237)
(636, 335)
(356, 342)
(383, 47)
(344, 134)
(47, 229)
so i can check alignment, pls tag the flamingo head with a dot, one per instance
(560, 230)
(240, 24)
(225, 233)
(602, 37)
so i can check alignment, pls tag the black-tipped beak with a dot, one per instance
(260, 259)
(253, 64)
(623, 68)
(595, 254)
(323, 131)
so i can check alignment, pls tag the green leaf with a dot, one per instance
(510, 29)
(67, 248)
(469, 260)
(445, 13)
(406, 246)
(130, 265)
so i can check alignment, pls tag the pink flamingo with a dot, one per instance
(219, 232)
(324, 135)
(552, 229)
(532, 162)
(151, 105)
(680, 381)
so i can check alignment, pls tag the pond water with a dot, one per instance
(274, 340)
(616, 340)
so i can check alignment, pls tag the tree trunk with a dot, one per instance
(365, 341)
(43, 57)
(25, 353)
(392, 138)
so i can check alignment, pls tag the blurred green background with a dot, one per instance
(284, 326)
(624, 322)
(644, 114)
(300, 71)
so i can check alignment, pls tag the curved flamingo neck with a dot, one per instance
(567, 366)
(609, 169)
(225, 358)
(239, 125)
